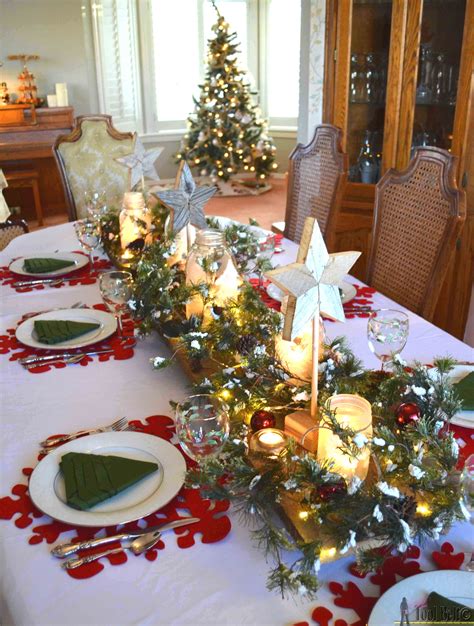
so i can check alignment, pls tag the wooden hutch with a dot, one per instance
(399, 74)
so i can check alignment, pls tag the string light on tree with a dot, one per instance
(225, 111)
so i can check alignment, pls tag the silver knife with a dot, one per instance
(61, 355)
(66, 549)
(40, 281)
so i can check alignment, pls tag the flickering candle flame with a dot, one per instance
(269, 441)
(355, 413)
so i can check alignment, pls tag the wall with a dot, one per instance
(55, 29)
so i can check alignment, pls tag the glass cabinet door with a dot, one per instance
(370, 41)
(438, 72)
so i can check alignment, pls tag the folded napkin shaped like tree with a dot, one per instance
(40, 266)
(92, 478)
(56, 331)
(465, 390)
(441, 609)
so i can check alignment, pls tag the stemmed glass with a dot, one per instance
(87, 231)
(387, 332)
(202, 426)
(95, 203)
(116, 290)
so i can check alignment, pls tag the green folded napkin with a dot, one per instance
(91, 478)
(56, 331)
(40, 266)
(465, 390)
(441, 609)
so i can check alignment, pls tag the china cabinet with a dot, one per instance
(398, 75)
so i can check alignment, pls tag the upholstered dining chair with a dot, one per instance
(11, 229)
(418, 216)
(317, 176)
(86, 161)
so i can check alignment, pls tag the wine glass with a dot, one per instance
(202, 426)
(116, 290)
(87, 231)
(95, 203)
(387, 332)
(467, 482)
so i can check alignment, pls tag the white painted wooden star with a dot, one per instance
(311, 283)
(141, 162)
(186, 202)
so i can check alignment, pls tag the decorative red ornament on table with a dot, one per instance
(262, 419)
(407, 413)
(326, 491)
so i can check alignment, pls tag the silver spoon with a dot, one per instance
(137, 546)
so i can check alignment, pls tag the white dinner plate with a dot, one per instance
(453, 584)
(80, 260)
(47, 490)
(462, 418)
(348, 292)
(108, 324)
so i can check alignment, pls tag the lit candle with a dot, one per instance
(135, 223)
(352, 412)
(297, 355)
(269, 441)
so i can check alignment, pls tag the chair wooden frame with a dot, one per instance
(341, 158)
(74, 136)
(452, 230)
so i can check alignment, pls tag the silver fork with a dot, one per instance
(76, 305)
(120, 424)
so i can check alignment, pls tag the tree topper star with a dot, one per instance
(311, 283)
(186, 202)
(141, 162)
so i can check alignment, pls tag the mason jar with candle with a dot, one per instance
(210, 262)
(135, 227)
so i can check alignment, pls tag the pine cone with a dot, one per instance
(246, 344)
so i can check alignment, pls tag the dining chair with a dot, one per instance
(11, 229)
(86, 162)
(317, 176)
(418, 216)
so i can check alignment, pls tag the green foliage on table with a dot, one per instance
(226, 133)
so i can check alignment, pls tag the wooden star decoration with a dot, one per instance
(186, 202)
(141, 162)
(311, 283)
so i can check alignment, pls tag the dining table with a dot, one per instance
(201, 581)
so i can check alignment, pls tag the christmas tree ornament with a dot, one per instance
(187, 201)
(262, 419)
(327, 491)
(407, 413)
(141, 163)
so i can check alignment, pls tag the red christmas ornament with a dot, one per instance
(407, 413)
(262, 419)
(327, 490)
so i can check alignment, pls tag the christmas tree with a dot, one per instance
(226, 133)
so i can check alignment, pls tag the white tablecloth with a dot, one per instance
(222, 583)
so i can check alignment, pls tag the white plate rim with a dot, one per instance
(409, 587)
(80, 259)
(349, 292)
(107, 321)
(171, 460)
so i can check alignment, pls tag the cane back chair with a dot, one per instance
(86, 158)
(317, 176)
(418, 217)
(11, 229)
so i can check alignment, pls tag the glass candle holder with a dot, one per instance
(353, 412)
(135, 226)
(210, 262)
(297, 355)
(269, 441)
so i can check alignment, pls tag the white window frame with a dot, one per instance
(148, 126)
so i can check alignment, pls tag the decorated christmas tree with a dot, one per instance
(226, 133)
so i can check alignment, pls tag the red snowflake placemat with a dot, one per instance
(349, 595)
(213, 526)
(83, 276)
(363, 298)
(120, 348)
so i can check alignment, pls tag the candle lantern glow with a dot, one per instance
(353, 412)
(269, 441)
(135, 225)
(210, 262)
(297, 355)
